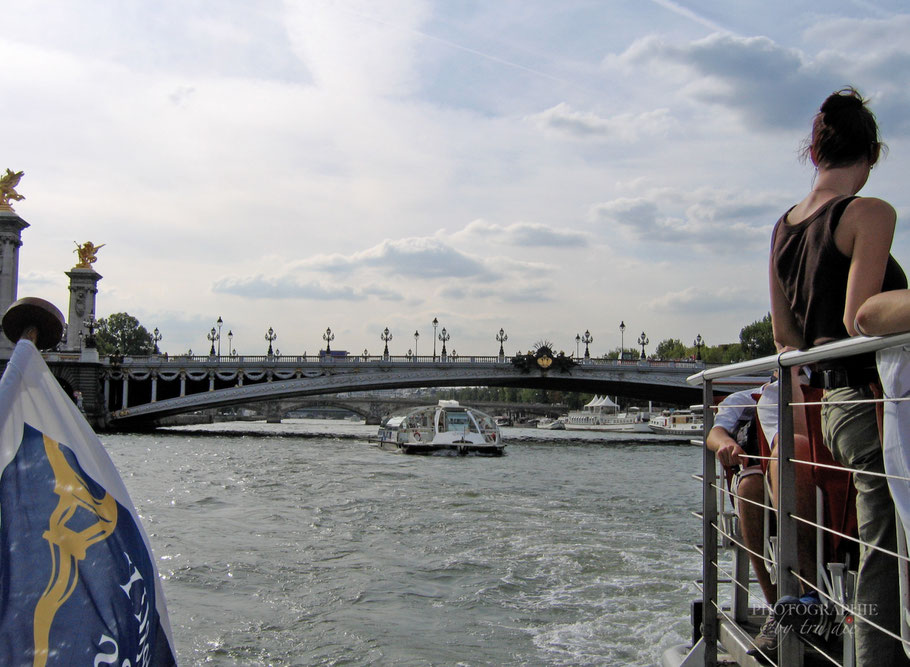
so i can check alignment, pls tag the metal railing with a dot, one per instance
(725, 623)
(355, 359)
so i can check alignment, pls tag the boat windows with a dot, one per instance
(459, 421)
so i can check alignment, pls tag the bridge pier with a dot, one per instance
(83, 290)
(375, 414)
(11, 226)
(273, 413)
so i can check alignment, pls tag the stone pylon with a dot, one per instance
(83, 290)
(11, 226)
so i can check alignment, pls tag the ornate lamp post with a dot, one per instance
(587, 340)
(385, 337)
(409, 354)
(366, 354)
(502, 336)
(643, 340)
(89, 323)
(156, 338)
(328, 337)
(622, 340)
(212, 336)
(416, 336)
(435, 322)
(577, 341)
(270, 336)
(698, 343)
(219, 323)
(444, 336)
(230, 342)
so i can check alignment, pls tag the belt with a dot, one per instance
(839, 376)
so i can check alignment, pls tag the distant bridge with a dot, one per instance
(134, 392)
(143, 389)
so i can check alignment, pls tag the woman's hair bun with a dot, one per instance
(846, 99)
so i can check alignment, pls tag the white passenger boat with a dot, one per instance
(677, 422)
(551, 424)
(447, 428)
(602, 414)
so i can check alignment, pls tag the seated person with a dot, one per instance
(733, 439)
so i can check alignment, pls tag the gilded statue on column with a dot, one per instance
(87, 252)
(8, 183)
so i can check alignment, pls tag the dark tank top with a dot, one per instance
(813, 273)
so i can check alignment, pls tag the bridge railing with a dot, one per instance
(256, 359)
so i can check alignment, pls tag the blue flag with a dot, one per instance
(78, 584)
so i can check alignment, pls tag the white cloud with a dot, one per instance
(522, 234)
(358, 48)
(706, 219)
(627, 127)
(769, 84)
(708, 300)
(427, 258)
(285, 287)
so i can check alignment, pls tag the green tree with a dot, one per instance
(671, 348)
(122, 331)
(757, 339)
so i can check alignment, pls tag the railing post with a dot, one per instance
(709, 534)
(790, 649)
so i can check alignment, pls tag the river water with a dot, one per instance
(300, 544)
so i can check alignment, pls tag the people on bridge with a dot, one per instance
(830, 252)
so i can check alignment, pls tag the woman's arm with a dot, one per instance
(885, 313)
(865, 235)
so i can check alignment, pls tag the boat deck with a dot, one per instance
(736, 639)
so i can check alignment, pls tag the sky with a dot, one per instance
(547, 168)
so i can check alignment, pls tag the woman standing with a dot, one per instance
(829, 253)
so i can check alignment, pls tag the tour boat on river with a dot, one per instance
(446, 428)
(602, 414)
(678, 422)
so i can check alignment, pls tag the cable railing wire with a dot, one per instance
(758, 371)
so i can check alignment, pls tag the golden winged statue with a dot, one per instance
(87, 252)
(8, 183)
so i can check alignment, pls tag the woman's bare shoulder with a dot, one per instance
(870, 209)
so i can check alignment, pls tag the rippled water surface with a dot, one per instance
(301, 544)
